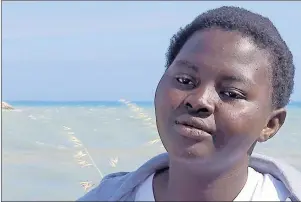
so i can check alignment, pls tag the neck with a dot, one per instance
(180, 184)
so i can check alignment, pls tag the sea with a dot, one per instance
(55, 151)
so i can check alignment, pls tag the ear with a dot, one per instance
(275, 121)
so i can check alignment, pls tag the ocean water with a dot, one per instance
(42, 143)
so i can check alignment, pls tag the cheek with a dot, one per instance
(242, 121)
(167, 96)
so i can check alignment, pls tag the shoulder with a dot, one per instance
(279, 174)
(274, 189)
(106, 188)
(122, 185)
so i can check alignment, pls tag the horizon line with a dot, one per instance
(3, 100)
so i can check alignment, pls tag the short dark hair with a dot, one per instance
(260, 29)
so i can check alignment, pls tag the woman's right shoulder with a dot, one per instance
(107, 187)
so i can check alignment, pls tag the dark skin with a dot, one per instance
(222, 80)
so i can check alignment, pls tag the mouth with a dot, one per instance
(193, 129)
(186, 124)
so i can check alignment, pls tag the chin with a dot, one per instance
(199, 151)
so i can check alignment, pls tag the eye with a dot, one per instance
(184, 80)
(233, 95)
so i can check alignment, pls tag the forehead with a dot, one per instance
(226, 52)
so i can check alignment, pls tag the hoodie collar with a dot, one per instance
(282, 171)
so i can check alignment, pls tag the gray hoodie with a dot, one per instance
(122, 186)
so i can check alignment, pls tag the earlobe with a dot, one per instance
(274, 123)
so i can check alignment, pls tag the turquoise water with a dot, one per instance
(94, 103)
(78, 103)
(39, 160)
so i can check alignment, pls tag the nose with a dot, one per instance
(200, 103)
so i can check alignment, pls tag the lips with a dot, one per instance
(192, 127)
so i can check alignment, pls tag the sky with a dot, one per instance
(63, 51)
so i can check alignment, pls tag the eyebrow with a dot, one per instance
(228, 78)
(237, 79)
(187, 64)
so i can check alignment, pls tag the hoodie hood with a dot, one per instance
(122, 186)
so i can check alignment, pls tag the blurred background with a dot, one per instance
(82, 76)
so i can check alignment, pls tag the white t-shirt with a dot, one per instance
(258, 187)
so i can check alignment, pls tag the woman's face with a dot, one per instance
(214, 101)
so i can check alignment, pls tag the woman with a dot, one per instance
(229, 77)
